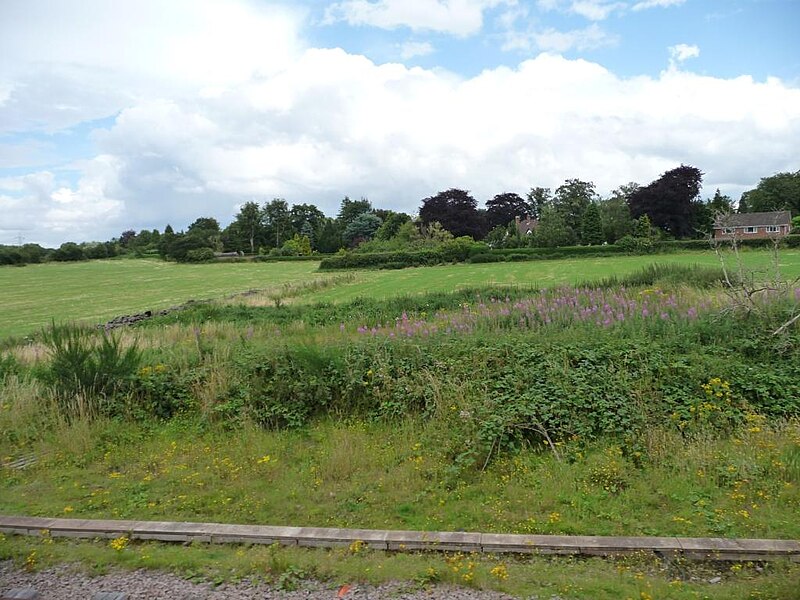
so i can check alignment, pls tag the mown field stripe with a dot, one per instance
(692, 548)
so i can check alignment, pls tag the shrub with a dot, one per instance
(353, 260)
(199, 255)
(160, 391)
(86, 376)
(486, 258)
(790, 241)
(636, 245)
(461, 248)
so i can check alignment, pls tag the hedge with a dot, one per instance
(790, 241)
(480, 254)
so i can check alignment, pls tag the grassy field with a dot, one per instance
(99, 290)
(544, 273)
(650, 406)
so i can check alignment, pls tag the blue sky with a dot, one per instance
(133, 115)
(737, 37)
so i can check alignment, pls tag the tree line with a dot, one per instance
(669, 207)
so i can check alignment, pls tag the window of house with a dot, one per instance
(772, 229)
(728, 230)
(749, 229)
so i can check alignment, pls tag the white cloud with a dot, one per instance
(682, 52)
(314, 125)
(598, 10)
(595, 10)
(588, 38)
(64, 63)
(49, 211)
(457, 17)
(412, 49)
(347, 126)
(645, 4)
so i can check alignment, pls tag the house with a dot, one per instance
(526, 226)
(758, 225)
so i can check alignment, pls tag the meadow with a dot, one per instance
(95, 291)
(653, 401)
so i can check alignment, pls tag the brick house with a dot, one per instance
(757, 225)
(526, 226)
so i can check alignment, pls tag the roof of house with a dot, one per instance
(756, 219)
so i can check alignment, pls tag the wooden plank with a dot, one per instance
(694, 548)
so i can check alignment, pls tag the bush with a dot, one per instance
(543, 253)
(352, 260)
(790, 241)
(636, 245)
(88, 377)
(486, 258)
(286, 258)
(161, 392)
(199, 255)
(461, 248)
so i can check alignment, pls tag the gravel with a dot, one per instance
(65, 583)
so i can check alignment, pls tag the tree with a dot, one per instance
(571, 201)
(720, 203)
(457, 212)
(553, 230)
(615, 214)
(667, 201)
(248, 226)
(278, 222)
(777, 192)
(183, 246)
(204, 225)
(538, 198)
(299, 245)
(306, 219)
(328, 237)
(350, 209)
(643, 228)
(391, 225)
(592, 225)
(361, 229)
(126, 238)
(701, 218)
(503, 208)
(166, 240)
(504, 236)
(207, 233)
(69, 251)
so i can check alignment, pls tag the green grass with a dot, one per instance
(544, 273)
(98, 290)
(378, 476)
(358, 469)
(372, 475)
(635, 578)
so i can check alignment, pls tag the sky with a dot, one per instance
(123, 114)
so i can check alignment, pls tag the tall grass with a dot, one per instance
(664, 274)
